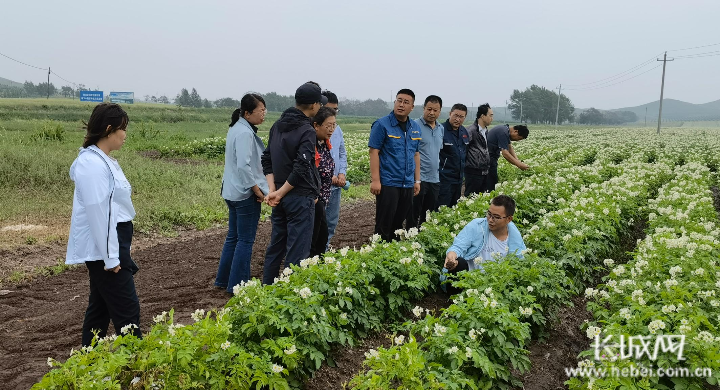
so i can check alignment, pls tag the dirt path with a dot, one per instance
(43, 318)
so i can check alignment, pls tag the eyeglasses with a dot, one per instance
(259, 111)
(458, 116)
(493, 217)
(330, 125)
(403, 101)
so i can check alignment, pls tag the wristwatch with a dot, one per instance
(418, 181)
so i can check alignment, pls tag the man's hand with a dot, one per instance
(273, 199)
(451, 260)
(341, 180)
(114, 270)
(416, 189)
(523, 166)
(258, 194)
(335, 180)
(375, 187)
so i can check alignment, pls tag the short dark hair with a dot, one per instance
(433, 99)
(332, 98)
(505, 201)
(323, 114)
(406, 91)
(459, 106)
(248, 104)
(104, 115)
(482, 110)
(522, 130)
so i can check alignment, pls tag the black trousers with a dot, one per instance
(461, 266)
(425, 201)
(320, 230)
(112, 295)
(449, 194)
(476, 183)
(391, 209)
(492, 177)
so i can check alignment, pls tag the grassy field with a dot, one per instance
(39, 140)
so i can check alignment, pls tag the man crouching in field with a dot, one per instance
(486, 239)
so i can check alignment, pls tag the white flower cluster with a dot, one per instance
(526, 311)
(292, 349)
(593, 331)
(417, 311)
(225, 345)
(372, 353)
(625, 313)
(608, 262)
(304, 292)
(198, 315)
(160, 318)
(172, 329)
(698, 272)
(656, 325)
(399, 340)
(439, 330)
(684, 326)
(128, 328)
(277, 368)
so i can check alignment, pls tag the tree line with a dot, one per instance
(593, 116)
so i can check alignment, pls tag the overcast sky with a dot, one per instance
(469, 52)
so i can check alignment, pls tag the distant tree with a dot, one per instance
(164, 100)
(66, 91)
(594, 116)
(591, 116)
(42, 89)
(539, 105)
(207, 104)
(30, 89)
(147, 98)
(153, 99)
(80, 87)
(195, 100)
(227, 102)
(277, 102)
(183, 98)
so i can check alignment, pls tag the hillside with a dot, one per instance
(6, 82)
(676, 110)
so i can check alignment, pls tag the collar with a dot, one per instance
(426, 123)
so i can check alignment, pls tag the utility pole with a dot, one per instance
(521, 111)
(506, 110)
(662, 89)
(48, 90)
(557, 112)
(645, 116)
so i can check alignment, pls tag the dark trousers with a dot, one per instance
(391, 209)
(449, 194)
(234, 267)
(476, 183)
(492, 177)
(425, 201)
(292, 230)
(320, 230)
(461, 267)
(112, 295)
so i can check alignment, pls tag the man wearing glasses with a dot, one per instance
(486, 239)
(452, 156)
(339, 155)
(394, 165)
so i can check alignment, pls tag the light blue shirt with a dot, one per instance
(243, 169)
(430, 146)
(475, 237)
(338, 152)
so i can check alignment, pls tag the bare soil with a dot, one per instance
(43, 317)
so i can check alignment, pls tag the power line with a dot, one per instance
(18, 61)
(64, 78)
(619, 75)
(694, 47)
(613, 84)
(703, 54)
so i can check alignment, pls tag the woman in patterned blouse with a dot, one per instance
(324, 124)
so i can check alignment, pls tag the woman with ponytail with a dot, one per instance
(244, 188)
(101, 226)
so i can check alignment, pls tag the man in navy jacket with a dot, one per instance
(289, 166)
(452, 156)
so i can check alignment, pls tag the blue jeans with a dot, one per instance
(237, 251)
(292, 230)
(332, 213)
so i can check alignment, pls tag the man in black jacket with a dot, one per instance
(290, 168)
(452, 156)
(477, 165)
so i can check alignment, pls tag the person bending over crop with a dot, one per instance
(486, 239)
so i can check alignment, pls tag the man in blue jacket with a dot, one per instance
(394, 165)
(293, 180)
(486, 239)
(452, 156)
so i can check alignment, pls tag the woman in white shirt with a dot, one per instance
(101, 227)
(244, 188)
